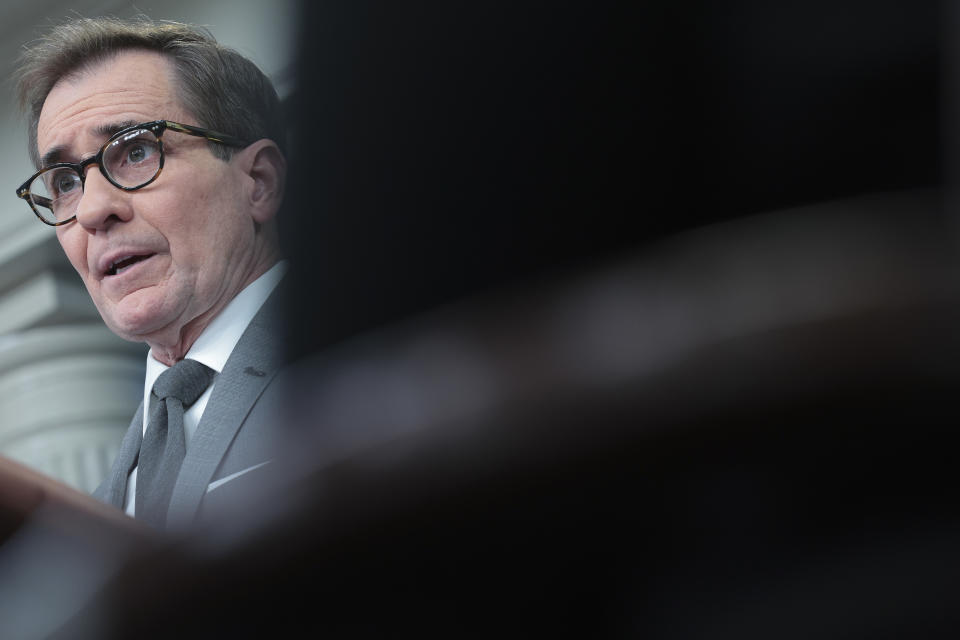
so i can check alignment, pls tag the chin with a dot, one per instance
(132, 331)
(140, 322)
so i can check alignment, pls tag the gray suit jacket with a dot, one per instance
(235, 440)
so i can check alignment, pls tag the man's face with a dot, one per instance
(187, 243)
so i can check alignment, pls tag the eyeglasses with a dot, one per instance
(131, 159)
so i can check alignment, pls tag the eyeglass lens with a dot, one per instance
(131, 160)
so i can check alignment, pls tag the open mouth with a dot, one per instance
(125, 263)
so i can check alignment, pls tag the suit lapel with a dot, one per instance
(113, 490)
(251, 366)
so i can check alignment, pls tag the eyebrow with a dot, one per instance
(105, 131)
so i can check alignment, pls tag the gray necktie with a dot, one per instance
(163, 447)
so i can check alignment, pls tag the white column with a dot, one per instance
(66, 398)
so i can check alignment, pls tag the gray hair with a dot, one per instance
(221, 88)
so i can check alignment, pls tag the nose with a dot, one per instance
(102, 204)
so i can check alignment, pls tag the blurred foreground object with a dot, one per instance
(58, 546)
(744, 431)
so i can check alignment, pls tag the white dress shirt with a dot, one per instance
(211, 348)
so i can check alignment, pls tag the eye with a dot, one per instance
(134, 148)
(61, 183)
(139, 151)
(133, 158)
(66, 183)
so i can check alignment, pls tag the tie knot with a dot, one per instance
(185, 381)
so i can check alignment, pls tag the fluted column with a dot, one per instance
(66, 397)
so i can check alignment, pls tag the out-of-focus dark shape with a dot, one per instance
(742, 431)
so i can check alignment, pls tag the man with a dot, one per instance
(161, 168)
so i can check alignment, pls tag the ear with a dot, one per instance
(265, 171)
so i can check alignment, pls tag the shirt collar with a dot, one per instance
(215, 344)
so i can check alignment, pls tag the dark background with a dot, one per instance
(447, 147)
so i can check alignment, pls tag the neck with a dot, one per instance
(170, 354)
(172, 347)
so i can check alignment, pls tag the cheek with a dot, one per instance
(218, 227)
(75, 247)
(203, 208)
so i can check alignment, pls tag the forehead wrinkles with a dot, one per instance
(72, 113)
(125, 88)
